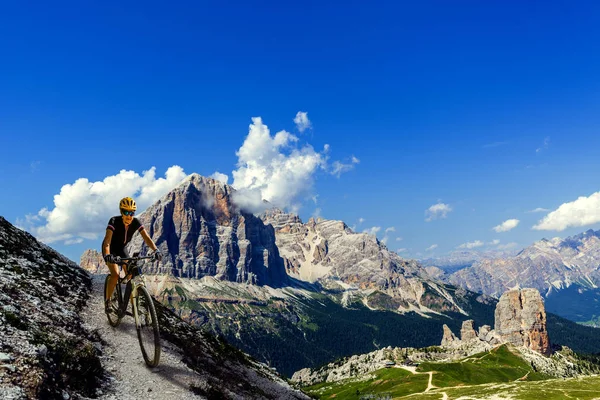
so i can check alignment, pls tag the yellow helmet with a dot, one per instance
(127, 204)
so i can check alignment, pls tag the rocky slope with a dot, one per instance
(48, 351)
(330, 253)
(45, 352)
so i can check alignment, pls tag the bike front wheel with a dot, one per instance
(147, 327)
(113, 313)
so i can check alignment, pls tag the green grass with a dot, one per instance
(499, 365)
(483, 372)
(393, 381)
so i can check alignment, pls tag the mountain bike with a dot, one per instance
(144, 313)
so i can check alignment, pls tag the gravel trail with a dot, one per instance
(122, 357)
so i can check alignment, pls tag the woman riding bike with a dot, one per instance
(119, 232)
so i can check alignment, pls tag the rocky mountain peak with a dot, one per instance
(204, 233)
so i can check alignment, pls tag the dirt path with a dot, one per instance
(414, 371)
(123, 359)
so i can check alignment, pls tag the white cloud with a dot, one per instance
(372, 231)
(581, 212)
(270, 168)
(302, 122)
(432, 247)
(471, 245)
(361, 220)
(507, 225)
(402, 250)
(494, 242)
(439, 210)
(317, 213)
(544, 146)
(398, 239)
(338, 168)
(82, 209)
(390, 229)
(539, 209)
(220, 177)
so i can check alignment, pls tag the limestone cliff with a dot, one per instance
(520, 319)
(203, 233)
(92, 262)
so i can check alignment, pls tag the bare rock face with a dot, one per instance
(203, 233)
(467, 332)
(327, 250)
(448, 340)
(520, 319)
(92, 262)
(483, 331)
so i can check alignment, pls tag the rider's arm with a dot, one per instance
(147, 239)
(106, 242)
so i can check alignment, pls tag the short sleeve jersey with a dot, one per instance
(122, 234)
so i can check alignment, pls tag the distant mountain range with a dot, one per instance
(566, 271)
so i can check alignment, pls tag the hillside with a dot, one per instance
(49, 348)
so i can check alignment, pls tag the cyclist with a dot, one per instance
(119, 232)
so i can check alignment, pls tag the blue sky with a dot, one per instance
(488, 109)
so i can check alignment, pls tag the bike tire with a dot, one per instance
(147, 327)
(113, 314)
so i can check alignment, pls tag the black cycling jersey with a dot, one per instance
(122, 234)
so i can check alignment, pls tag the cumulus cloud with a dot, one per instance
(581, 212)
(432, 247)
(82, 209)
(507, 225)
(437, 211)
(338, 167)
(220, 177)
(494, 242)
(471, 245)
(302, 122)
(274, 169)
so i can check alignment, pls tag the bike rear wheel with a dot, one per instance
(147, 327)
(113, 313)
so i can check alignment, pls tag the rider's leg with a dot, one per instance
(112, 280)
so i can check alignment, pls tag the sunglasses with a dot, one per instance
(131, 213)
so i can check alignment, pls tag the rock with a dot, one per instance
(92, 261)
(467, 332)
(520, 319)
(202, 232)
(448, 340)
(5, 357)
(483, 331)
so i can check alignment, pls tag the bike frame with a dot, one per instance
(131, 287)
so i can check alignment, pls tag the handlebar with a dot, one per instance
(125, 260)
